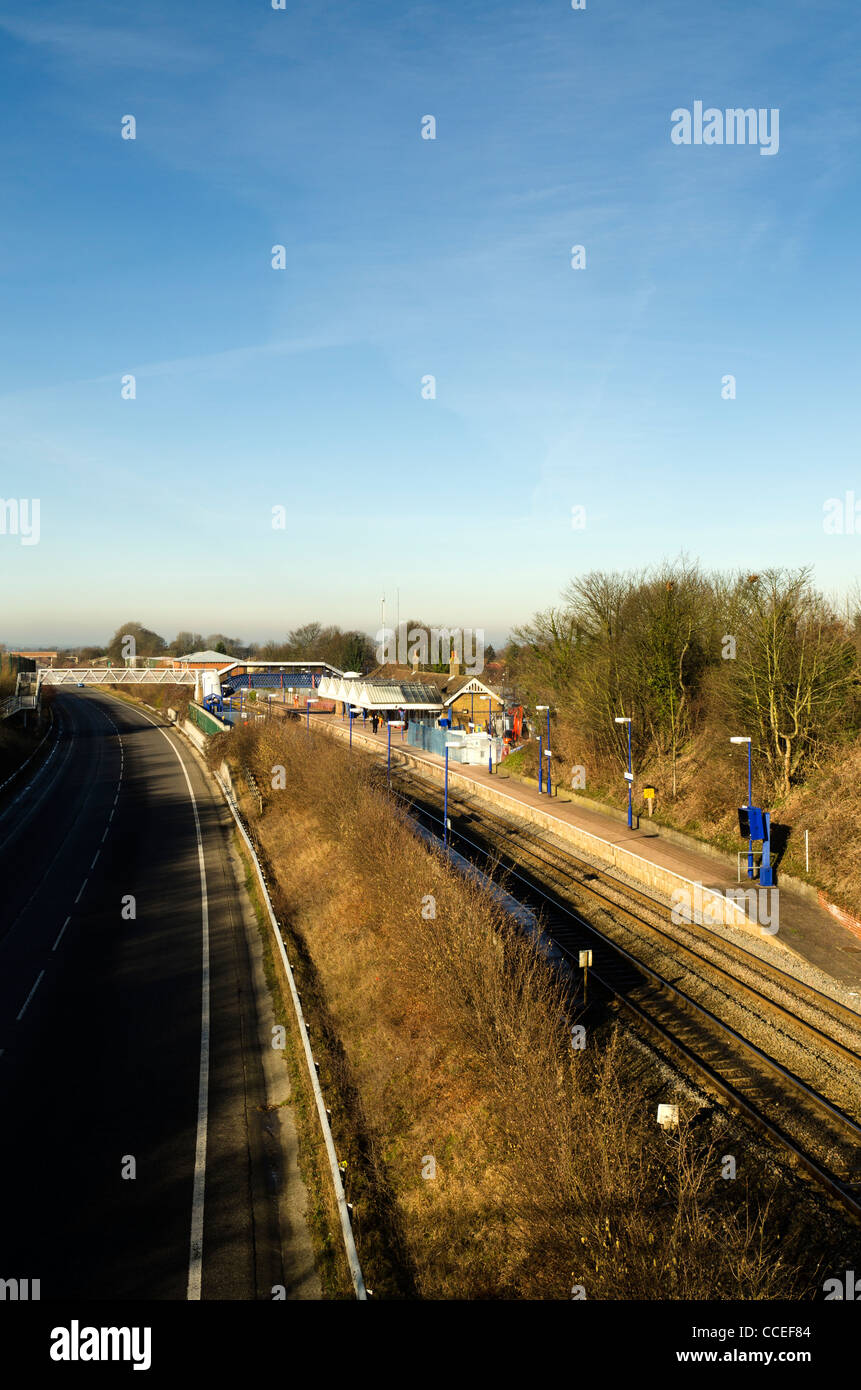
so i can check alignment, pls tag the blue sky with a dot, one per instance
(556, 387)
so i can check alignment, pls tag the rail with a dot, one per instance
(837, 1188)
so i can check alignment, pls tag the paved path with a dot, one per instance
(804, 926)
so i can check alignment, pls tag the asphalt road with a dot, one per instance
(103, 1027)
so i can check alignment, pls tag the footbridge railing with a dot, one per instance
(117, 675)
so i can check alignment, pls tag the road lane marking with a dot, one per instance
(95, 857)
(60, 933)
(82, 887)
(31, 784)
(54, 726)
(29, 997)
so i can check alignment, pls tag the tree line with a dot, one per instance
(349, 651)
(690, 656)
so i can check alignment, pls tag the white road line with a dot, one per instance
(195, 1253)
(29, 997)
(105, 835)
(53, 725)
(82, 887)
(95, 857)
(60, 933)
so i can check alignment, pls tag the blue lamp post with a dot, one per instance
(745, 739)
(308, 705)
(541, 752)
(548, 755)
(445, 798)
(629, 775)
(489, 699)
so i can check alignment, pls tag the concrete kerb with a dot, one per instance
(716, 907)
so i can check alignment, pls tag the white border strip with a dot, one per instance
(343, 1211)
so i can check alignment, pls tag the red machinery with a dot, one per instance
(513, 724)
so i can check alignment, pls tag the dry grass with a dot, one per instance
(828, 804)
(448, 1038)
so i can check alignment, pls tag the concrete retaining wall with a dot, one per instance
(197, 737)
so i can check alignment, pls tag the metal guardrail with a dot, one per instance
(251, 783)
(13, 703)
(206, 722)
(334, 1167)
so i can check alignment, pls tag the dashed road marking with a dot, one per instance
(60, 933)
(30, 996)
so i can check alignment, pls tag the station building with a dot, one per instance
(463, 698)
(423, 697)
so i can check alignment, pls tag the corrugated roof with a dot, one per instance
(394, 694)
(416, 693)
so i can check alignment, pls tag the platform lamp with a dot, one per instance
(489, 699)
(743, 738)
(392, 724)
(629, 775)
(541, 749)
(308, 704)
(445, 798)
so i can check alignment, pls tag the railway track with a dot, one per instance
(704, 997)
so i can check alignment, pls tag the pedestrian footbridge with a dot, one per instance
(117, 675)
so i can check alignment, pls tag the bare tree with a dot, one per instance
(794, 671)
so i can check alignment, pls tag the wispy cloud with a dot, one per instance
(105, 46)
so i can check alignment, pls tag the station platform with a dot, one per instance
(805, 928)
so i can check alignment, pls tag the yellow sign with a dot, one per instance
(649, 793)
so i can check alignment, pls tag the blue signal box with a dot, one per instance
(755, 824)
(752, 823)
